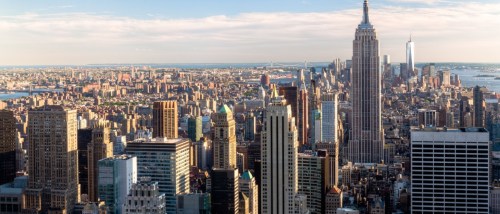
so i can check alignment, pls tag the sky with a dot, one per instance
(34, 32)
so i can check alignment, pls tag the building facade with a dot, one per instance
(366, 143)
(165, 119)
(145, 197)
(53, 168)
(99, 148)
(329, 109)
(7, 146)
(224, 139)
(450, 171)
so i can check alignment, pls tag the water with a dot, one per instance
(13, 96)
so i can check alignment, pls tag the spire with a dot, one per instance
(366, 19)
(275, 93)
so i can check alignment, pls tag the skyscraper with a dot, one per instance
(53, 168)
(329, 108)
(248, 186)
(303, 113)
(115, 178)
(165, 119)
(478, 107)
(99, 148)
(366, 143)
(194, 128)
(7, 146)
(410, 57)
(146, 197)
(84, 140)
(224, 142)
(224, 191)
(313, 179)
(279, 184)
(165, 161)
(450, 171)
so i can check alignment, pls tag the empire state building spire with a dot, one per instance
(365, 23)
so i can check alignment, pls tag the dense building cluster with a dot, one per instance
(355, 136)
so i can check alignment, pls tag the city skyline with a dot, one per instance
(70, 32)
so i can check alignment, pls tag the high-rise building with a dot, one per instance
(329, 108)
(195, 131)
(366, 143)
(279, 184)
(194, 203)
(7, 146)
(479, 107)
(265, 80)
(165, 161)
(450, 171)
(250, 127)
(84, 140)
(251, 189)
(225, 190)
(99, 148)
(332, 150)
(410, 57)
(313, 179)
(165, 119)
(303, 113)
(428, 118)
(145, 197)
(224, 142)
(53, 168)
(115, 178)
(333, 200)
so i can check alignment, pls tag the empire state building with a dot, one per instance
(366, 142)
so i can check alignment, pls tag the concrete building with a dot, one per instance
(248, 186)
(115, 178)
(145, 197)
(165, 119)
(279, 145)
(7, 146)
(195, 131)
(194, 203)
(11, 195)
(366, 143)
(333, 201)
(332, 150)
(224, 141)
(303, 113)
(450, 171)
(165, 161)
(428, 118)
(53, 168)
(479, 107)
(313, 179)
(99, 148)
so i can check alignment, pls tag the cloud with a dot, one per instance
(462, 32)
(417, 1)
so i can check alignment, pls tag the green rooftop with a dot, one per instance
(225, 109)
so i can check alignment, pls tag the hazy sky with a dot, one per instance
(34, 32)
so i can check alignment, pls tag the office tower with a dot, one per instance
(244, 206)
(146, 197)
(279, 157)
(329, 107)
(224, 142)
(99, 148)
(225, 190)
(445, 78)
(465, 112)
(195, 131)
(316, 132)
(366, 144)
(403, 71)
(313, 179)
(410, 57)
(290, 93)
(479, 107)
(7, 146)
(84, 140)
(250, 127)
(429, 70)
(450, 170)
(194, 203)
(165, 161)
(251, 189)
(428, 118)
(265, 80)
(303, 113)
(53, 168)
(165, 119)
(115, 178)
(333, 200)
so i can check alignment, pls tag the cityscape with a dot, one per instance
(364, 134)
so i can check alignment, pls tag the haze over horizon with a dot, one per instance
(92, 32)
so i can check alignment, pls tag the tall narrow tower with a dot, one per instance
(279, 183)
(224, 139)
(53, 168)
(366, 143)
(165, 119)
(99, 148)
(410, 57)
